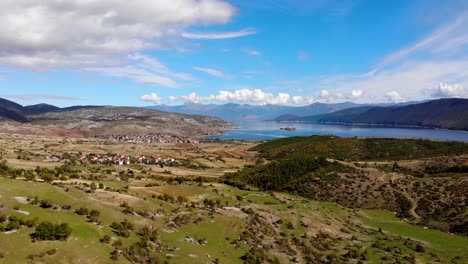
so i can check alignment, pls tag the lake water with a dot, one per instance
(265, 130)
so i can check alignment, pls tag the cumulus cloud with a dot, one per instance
(447, 90)
(153, 98)
(42, 35)
(256, 96)
(212, 72)
(299, 100)
(225, 35)
(394, 97)
(192, 98)
(355, 94)
(250, 96)
(324, 94)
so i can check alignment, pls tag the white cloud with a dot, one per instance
(447, 90)
(250, 96)
(144, 70)
(43, 35)
(302, 55)
(225, 35)
(406, 74)
(192, 98)
(252, 52)
(153, 65)
(212, 72)
(394, 97)
(324, 94)
(299, 100)
(255, 96)
(173, 98)
(356, 94)
(449, 37)
(139, 75)
(153, 97)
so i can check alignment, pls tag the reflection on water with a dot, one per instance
(264, 130)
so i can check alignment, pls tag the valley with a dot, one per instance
(192, 212)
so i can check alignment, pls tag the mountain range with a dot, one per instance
(450, 113)
(103, 120)
(238, 113)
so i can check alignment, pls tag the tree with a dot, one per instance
(93, 186)
(50, 231)
(93, 216)
(46, 204)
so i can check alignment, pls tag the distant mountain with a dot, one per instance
(12, 111)
(40, 108)
(106, 120)
(442, 113)
(113, 120)
(243, 112)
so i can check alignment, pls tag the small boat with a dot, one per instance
(288, 128)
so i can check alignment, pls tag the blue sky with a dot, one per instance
(296, 52)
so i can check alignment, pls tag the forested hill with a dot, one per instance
(359, 148)
(442, 113)
(418, 179)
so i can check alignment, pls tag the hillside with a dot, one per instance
(183, 213)
(12, 111)
(40, 108)
(442, 113)
(103, 121)
(110, 120)
(422, 180)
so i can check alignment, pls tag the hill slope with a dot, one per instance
(418, 179)
(442, 113)
(12, 111)
(101, 121)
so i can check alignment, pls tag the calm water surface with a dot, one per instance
(265, 130)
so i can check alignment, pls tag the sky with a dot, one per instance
(290, 52)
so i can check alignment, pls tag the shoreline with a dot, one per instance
(369, 125)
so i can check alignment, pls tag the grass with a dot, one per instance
(445, 244)
(215, 233)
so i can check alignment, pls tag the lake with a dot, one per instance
(267, 130)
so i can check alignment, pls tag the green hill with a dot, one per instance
(418, 179)
(442, 113)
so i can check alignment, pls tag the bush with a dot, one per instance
(50, 231)
(46, 204)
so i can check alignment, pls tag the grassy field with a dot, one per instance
(445, 244)
(197, 221)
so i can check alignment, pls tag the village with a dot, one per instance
(150, 138)
(110, 158)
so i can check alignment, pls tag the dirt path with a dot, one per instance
(373, 172)
(414, 205)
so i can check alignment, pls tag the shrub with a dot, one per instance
(50, 231)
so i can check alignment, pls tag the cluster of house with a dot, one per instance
(121, 159)
(118, 159)
(150, 138)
